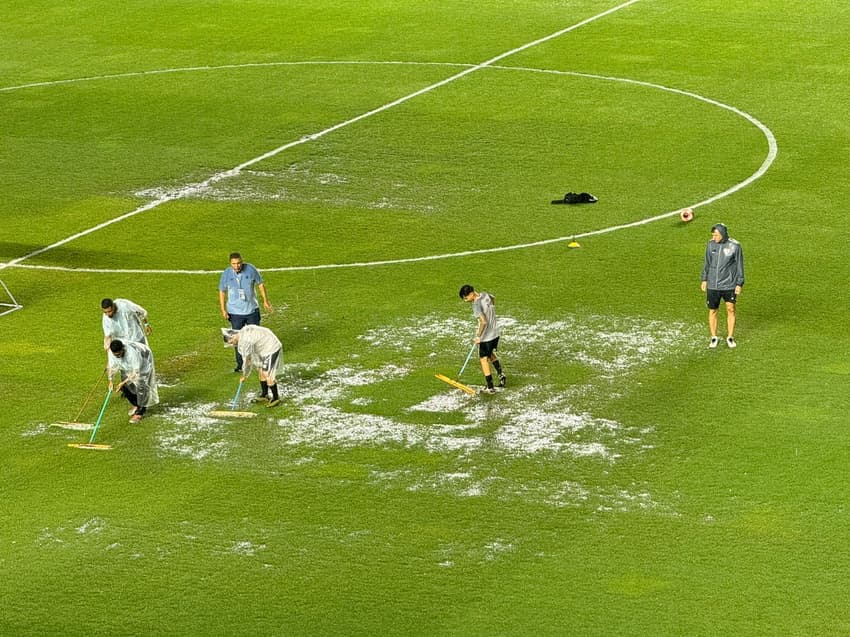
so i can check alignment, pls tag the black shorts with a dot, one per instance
(270, 362)
(712, 298)
(488, 348)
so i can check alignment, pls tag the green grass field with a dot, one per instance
(627, 481)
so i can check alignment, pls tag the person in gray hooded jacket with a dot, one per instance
(722, 278)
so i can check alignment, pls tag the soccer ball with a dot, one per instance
(686, 215)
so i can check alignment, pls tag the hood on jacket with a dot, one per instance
(228, 336)
(721, 228)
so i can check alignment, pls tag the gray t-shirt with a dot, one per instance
(483, 306)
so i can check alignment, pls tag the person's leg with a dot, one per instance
(132, 397)
(485, 366)
(497, 365)
(494, 361)
(712, 302)
(237, 322)
(263, 396)
(730, 319)
(488, 376)
(485, 350)
(712, 323)
(270, 366)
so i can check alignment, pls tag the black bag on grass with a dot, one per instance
(577, 197)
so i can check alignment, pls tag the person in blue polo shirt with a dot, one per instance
(238, 298)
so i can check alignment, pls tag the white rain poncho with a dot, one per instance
(137, 368)
(260, 348)
(126, 324)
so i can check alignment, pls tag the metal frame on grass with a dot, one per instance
(8, 308)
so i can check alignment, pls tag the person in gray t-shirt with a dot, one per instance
(487, 334)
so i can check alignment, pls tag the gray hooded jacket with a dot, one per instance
(724, 262)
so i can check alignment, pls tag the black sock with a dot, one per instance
(498, 367)
(264, 388)
(489, 380)
(274, 391)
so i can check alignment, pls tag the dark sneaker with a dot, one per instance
(274, 402)
(712, 344)
(238, 370)
(260, 399)
(731, 342)
(502, 380)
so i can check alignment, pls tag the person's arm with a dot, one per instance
(143, 320)
(739, 272)
(262, 288)
(222, 293)
(142, 316)
(222, 299)
(482, 325)
(107, 332)
(705, 265)
(131, 365)
(111, 368)
(247, 352)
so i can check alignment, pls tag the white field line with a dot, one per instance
(765, 165)
(197, 69)
(192, 188)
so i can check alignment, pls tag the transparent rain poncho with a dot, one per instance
(126, 324)
(137, 368)
(260, 348)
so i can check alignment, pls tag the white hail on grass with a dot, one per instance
(327, 407)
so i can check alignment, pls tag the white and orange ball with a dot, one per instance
(686, 215)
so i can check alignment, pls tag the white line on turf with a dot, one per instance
(762, 169)
(192, 188)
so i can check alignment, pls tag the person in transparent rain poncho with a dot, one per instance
(259, 348)
(124, 320)
(134, 361)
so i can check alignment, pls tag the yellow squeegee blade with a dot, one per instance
(456, 384)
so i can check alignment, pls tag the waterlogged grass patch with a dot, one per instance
(192, 433)
(302, 183)
(532, 420)
(475, 441)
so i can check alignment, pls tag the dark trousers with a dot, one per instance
(237, 322)
(133, 398)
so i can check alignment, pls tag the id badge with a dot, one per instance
(241, 294)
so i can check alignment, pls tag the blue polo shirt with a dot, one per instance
(241, 297)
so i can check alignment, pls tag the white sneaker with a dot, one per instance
(132, 411)
(731, 342)
(712, 344)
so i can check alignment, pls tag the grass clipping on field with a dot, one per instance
(537, 417)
